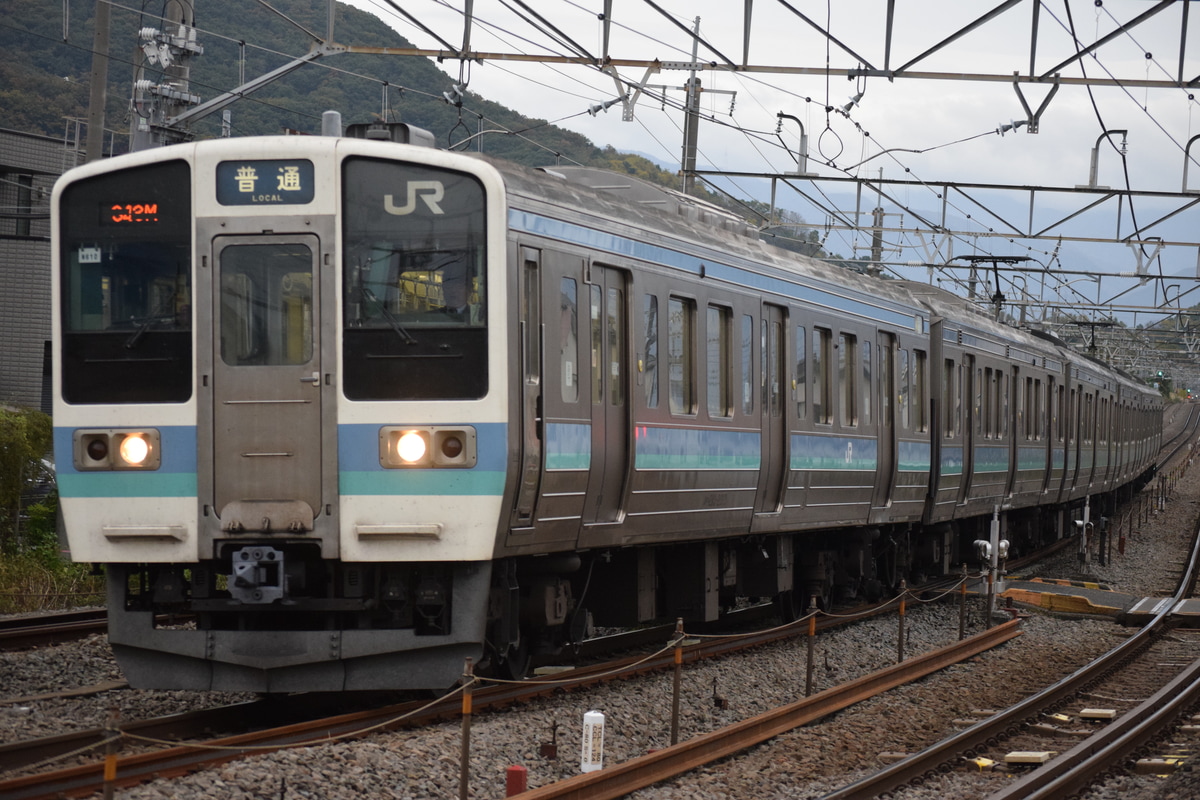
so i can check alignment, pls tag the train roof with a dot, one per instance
(627, 205)
(626, 200)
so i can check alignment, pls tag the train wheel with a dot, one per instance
(887, 570)
(515, 664)
(789, 606)
(823, 591)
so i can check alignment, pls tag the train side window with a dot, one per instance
(614, 324)
(681, 355)
(801, 373)
(822, 408)
(996, 387)
(717, 336)
(1039, 410)
(847, 379)
(988, 409)
(950, 401)
(597, 337)
(1027, 410)
(1002, 388)
(1077, 405)
(770, 358)
(867, 385)
(650, 365)
(977, 407)
(1089, 418)
(568, 342)
(903, 390)
(920, 421)
(531, 309)
(747, 364)
(1056, 421)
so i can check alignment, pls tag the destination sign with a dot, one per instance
(122, 213)
(265, 182)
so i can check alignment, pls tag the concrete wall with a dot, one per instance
(29, 165)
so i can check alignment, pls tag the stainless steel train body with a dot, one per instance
(364, 409)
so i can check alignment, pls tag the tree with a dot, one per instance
(25, 438)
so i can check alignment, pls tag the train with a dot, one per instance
(340, 413)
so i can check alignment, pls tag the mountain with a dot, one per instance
(45, 75)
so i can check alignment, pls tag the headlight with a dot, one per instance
(411, 447)
(109, 449)
(134, 449)
(429, 447)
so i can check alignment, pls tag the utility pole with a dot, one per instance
(155, 105)
(691, 119)
(98, 91)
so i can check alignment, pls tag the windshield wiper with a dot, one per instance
(160, 313)
(404, 335)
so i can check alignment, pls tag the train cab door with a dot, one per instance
(607, 324)
(772, 476)
(885, 479)
(266, 383)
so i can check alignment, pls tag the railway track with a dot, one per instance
(1174, 446)
(1177, 443)
(170, 761)
(1085, 761)
(18, 633)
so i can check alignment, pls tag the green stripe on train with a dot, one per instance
(127, 483)
(424, 482)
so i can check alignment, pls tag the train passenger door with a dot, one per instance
(555, 415)
(266, 383)
(530, 368)
(886, 423)
(969, 388)
(607, 324)
(772, 475)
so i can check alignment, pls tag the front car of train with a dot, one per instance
(280, 408)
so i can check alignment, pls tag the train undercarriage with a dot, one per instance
(272, 615)
(553, 602)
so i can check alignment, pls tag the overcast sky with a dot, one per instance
(923, 122)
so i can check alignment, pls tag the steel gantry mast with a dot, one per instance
(167, 107)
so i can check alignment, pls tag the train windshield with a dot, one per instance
(414, 282)
(126, 291)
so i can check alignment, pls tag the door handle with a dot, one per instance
(314, 379)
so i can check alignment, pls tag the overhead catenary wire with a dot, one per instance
(761, 148)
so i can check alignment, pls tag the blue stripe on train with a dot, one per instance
(360, 473)
(175, 476)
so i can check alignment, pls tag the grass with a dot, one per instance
(34, 576)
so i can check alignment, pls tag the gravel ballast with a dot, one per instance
(804, 763)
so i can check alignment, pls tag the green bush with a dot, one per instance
(34, 576)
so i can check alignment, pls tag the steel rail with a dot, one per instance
(19, 633)
(13, 623)
(236, 718)
(1013, 718)
(1179, 440)
(1078, 767)
(637, 773)
(133, 769)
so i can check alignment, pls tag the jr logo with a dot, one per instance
(429, 191)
